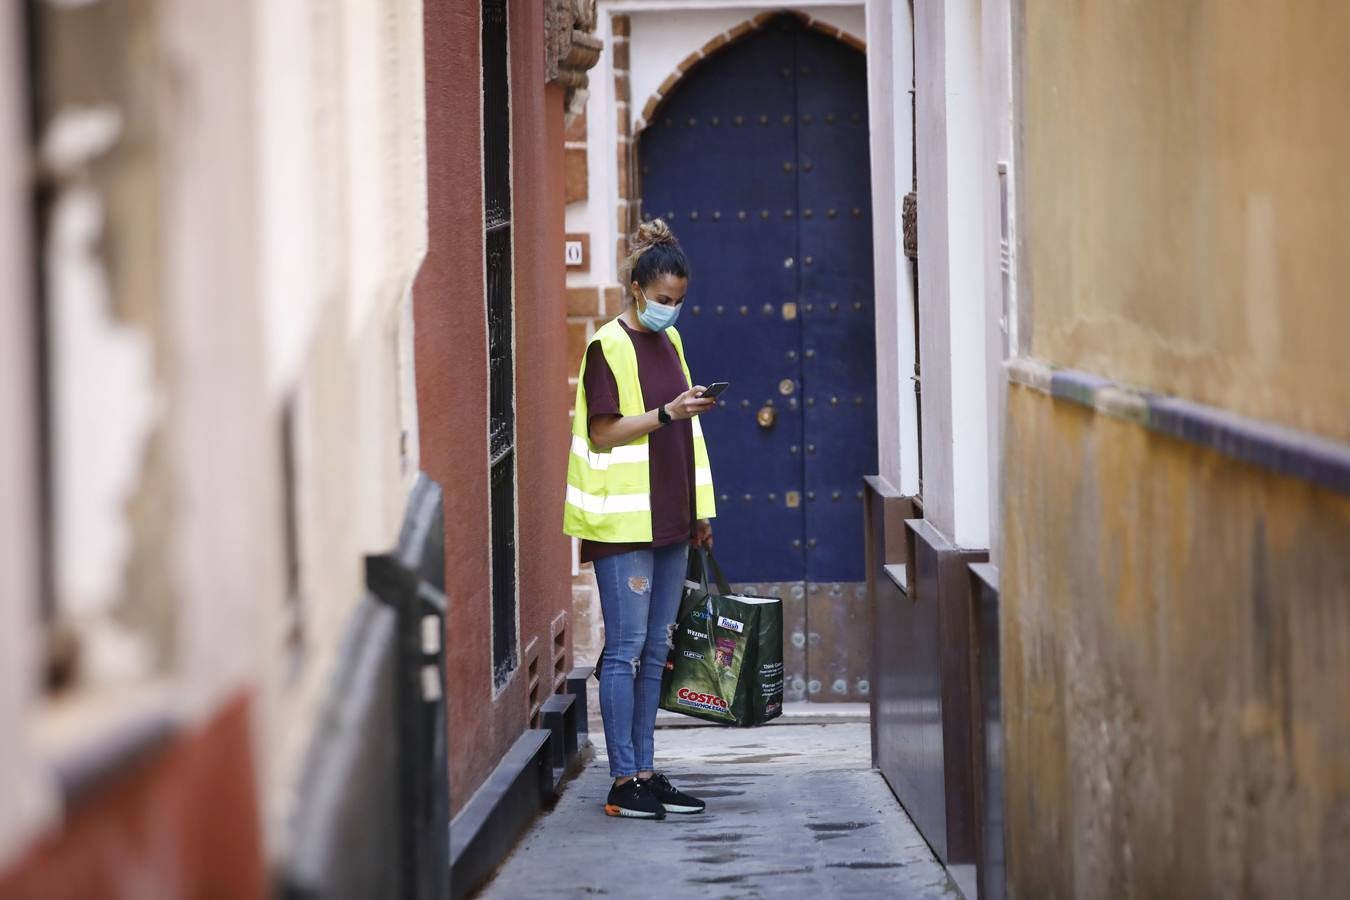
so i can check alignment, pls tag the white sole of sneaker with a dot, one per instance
(611, 810)
(683, 810)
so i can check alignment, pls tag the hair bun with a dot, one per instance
(653, 234)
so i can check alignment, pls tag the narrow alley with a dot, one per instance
(376, 377)
(795, 810)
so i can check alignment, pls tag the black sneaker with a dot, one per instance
(634, 800)
(671, 799)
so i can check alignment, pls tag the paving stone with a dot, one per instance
(793, 811)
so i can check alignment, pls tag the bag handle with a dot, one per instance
(698, 570)
(708, 562)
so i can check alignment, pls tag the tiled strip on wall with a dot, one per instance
(1285, 451)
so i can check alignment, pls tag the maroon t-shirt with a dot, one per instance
(670, 447)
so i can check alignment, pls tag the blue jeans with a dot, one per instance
(639, 598)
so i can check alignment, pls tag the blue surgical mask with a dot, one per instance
(657, 316)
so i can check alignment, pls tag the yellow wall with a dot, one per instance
(1176, 667)
(1186, 199)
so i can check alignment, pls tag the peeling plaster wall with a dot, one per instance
(1176, 625)
(1187, 199)
(342, 224)
(1176, 667)
(108, 337)
(237, 215)
(163, 513)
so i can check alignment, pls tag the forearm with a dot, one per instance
(615, 432)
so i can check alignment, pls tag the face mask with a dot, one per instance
(657, 316)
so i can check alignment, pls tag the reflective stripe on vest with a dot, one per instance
(609, 491)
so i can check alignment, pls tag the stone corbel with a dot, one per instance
(571, 49)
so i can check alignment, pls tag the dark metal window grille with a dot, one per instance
(501, 355)
(503, 513)
(496, 115)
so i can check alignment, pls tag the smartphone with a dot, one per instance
(714, 389)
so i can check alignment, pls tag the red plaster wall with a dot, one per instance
(542, 359)
(451, 364)
(181, 823)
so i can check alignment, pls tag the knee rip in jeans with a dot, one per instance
(636, 665)
(639, 585)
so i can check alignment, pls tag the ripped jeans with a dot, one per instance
(639, 598)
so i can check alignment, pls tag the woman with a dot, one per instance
(639, 492)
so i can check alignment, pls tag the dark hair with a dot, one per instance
(656, 252)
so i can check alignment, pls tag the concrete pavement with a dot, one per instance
(794, 810)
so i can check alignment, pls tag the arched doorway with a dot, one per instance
(758, 158)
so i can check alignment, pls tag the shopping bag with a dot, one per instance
(764, 659)
(726, 660)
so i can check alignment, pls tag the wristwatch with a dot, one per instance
(662, 416)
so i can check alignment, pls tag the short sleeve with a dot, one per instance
(602, 391)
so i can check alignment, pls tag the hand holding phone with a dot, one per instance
(715, 389)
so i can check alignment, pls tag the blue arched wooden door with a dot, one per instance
(759, 162)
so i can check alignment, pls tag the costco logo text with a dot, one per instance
(712, 702)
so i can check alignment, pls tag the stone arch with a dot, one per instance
(726, 39)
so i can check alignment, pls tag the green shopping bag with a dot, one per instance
(726, 659)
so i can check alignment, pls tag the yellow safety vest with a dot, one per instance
(609, 492)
